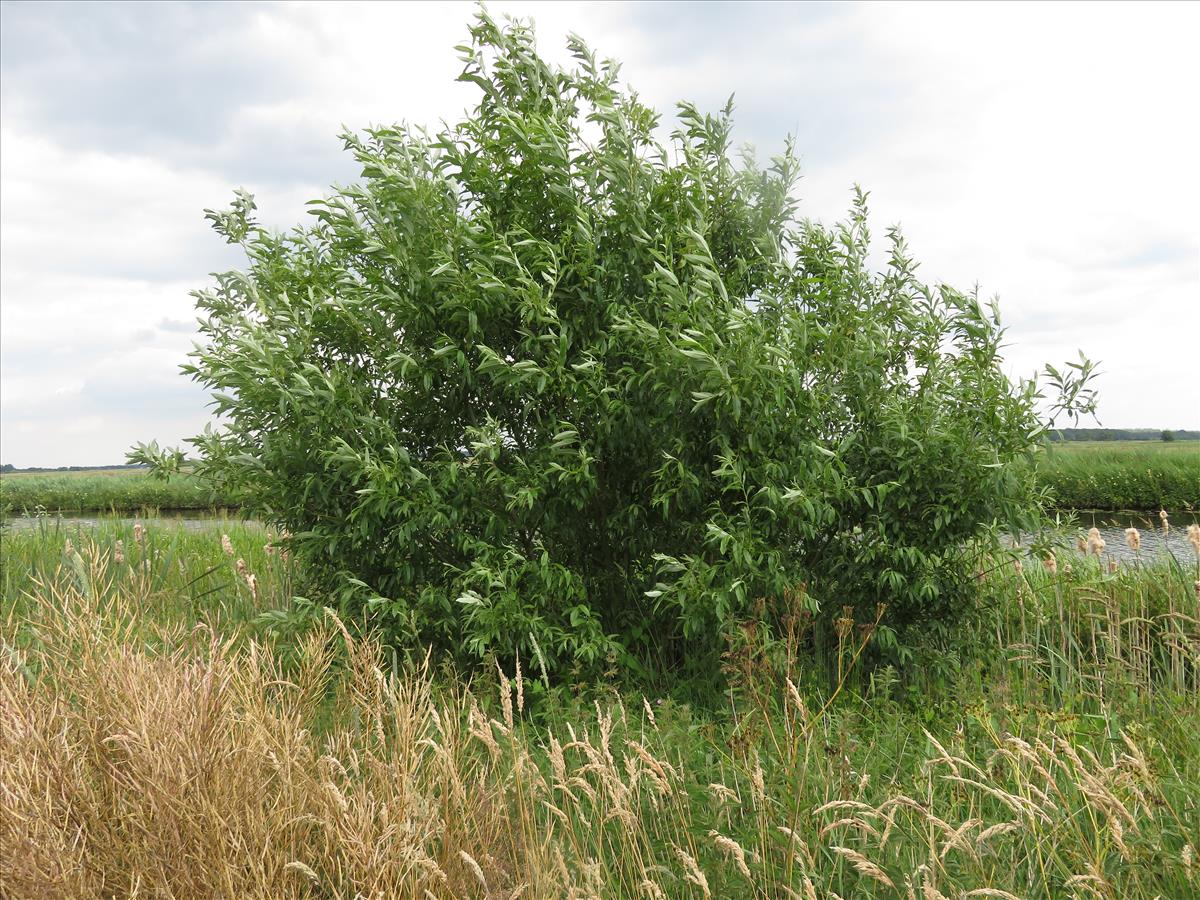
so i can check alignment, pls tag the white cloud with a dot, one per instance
(1045, 151)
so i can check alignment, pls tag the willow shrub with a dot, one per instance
(540, 385)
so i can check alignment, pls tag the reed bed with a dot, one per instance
(149, 751)
(1093, 628)
(104, 491)
(1118, 475)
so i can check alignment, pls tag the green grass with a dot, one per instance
(1141, 475)
(188, 573)
(113, 490)
(1065, 733)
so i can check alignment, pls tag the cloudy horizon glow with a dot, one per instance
(1045, 152)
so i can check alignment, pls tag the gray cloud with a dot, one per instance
(134, 77)
(808, 69)
(192, 83)
(179, 326)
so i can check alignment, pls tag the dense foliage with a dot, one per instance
(540, 385)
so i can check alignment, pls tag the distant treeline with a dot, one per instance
(1122, 434)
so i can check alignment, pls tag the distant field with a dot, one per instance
(115, 471)
(1123, 474)
(105, 490)
(1150, 448)
(1146, 475)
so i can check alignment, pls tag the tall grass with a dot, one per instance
(184, 576)
(152, 746)
(1123, 475)
(103, 491)
(1093, 631)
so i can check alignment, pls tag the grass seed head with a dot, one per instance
(864, 865)
(734, 850)
(474, 867)
(301, 869)
(520, 681)
(692, 871)
(1133, 538)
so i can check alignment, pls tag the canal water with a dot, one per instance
(1154, 542)
(189, 520)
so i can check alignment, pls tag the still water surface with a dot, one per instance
(189, 520)
(1112, 527)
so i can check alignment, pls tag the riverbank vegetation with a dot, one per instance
(1123, 475)
(170, 724)
(109, 490)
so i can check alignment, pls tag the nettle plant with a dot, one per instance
(540, 385)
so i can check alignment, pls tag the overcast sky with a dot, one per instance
(1047, 152)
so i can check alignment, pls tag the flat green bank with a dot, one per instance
(110, 490)
(1111, 475)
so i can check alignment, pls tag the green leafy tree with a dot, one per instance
(539, 384)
